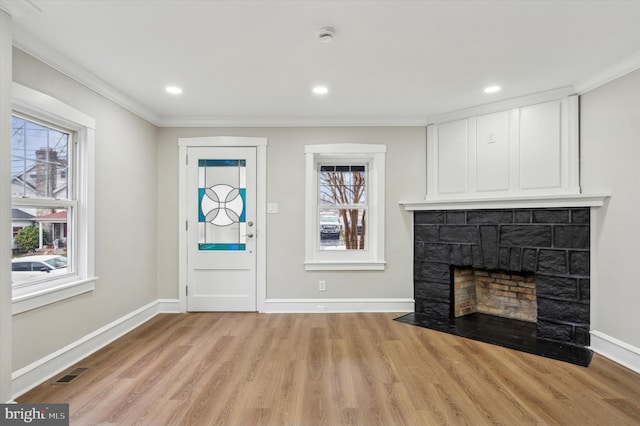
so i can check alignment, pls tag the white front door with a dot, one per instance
(221, 229)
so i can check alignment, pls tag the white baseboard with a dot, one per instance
(169, 306)
(45, 368)
(616, 350)
(337, 305)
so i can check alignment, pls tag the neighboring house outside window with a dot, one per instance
(52, 150)
(345, 207)
(19, 219)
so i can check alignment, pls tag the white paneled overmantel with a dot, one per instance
(528, 150)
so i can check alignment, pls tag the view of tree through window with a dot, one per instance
(343, 207)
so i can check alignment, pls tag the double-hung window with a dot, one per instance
(52, 200)
(345, 207)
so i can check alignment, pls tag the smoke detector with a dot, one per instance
(325, 34)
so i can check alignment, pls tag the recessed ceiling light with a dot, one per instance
(320, 90)
(174, 90)
(492, 89)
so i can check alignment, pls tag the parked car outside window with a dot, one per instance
(31, 268)
(329, 227)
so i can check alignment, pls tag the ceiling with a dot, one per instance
(390, 62)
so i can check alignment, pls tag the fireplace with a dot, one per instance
(546, 249)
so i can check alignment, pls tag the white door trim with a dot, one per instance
(261, 209)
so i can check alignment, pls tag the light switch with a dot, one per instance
(272, 208)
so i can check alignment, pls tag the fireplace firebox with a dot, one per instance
(494, 293)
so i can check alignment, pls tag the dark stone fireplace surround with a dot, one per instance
(551, 243)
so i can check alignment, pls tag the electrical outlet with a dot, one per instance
(322, 285)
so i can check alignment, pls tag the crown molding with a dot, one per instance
(17, 8)
(59, 62)
(293, 122)
(504, 105)
(617, 70)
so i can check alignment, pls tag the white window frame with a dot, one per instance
(372, 258)
(39, 106)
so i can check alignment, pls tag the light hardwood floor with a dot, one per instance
(332, 369)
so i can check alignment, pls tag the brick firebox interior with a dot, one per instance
(505, 295)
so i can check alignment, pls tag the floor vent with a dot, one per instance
(70, 377)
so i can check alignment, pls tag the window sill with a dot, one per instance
(374, 265)
(51, 294)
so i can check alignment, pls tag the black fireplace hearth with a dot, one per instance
(505, 332)
(552, 244)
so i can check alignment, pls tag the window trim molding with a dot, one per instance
(371, 259)
(44, 107)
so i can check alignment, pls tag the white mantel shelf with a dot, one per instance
(531, 202)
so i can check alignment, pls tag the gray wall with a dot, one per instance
(125, 220)
(286, 277)
(610, 162)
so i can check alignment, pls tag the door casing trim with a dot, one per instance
(261, 208)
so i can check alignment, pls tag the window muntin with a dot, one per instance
(41, 161)
(342, 206)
